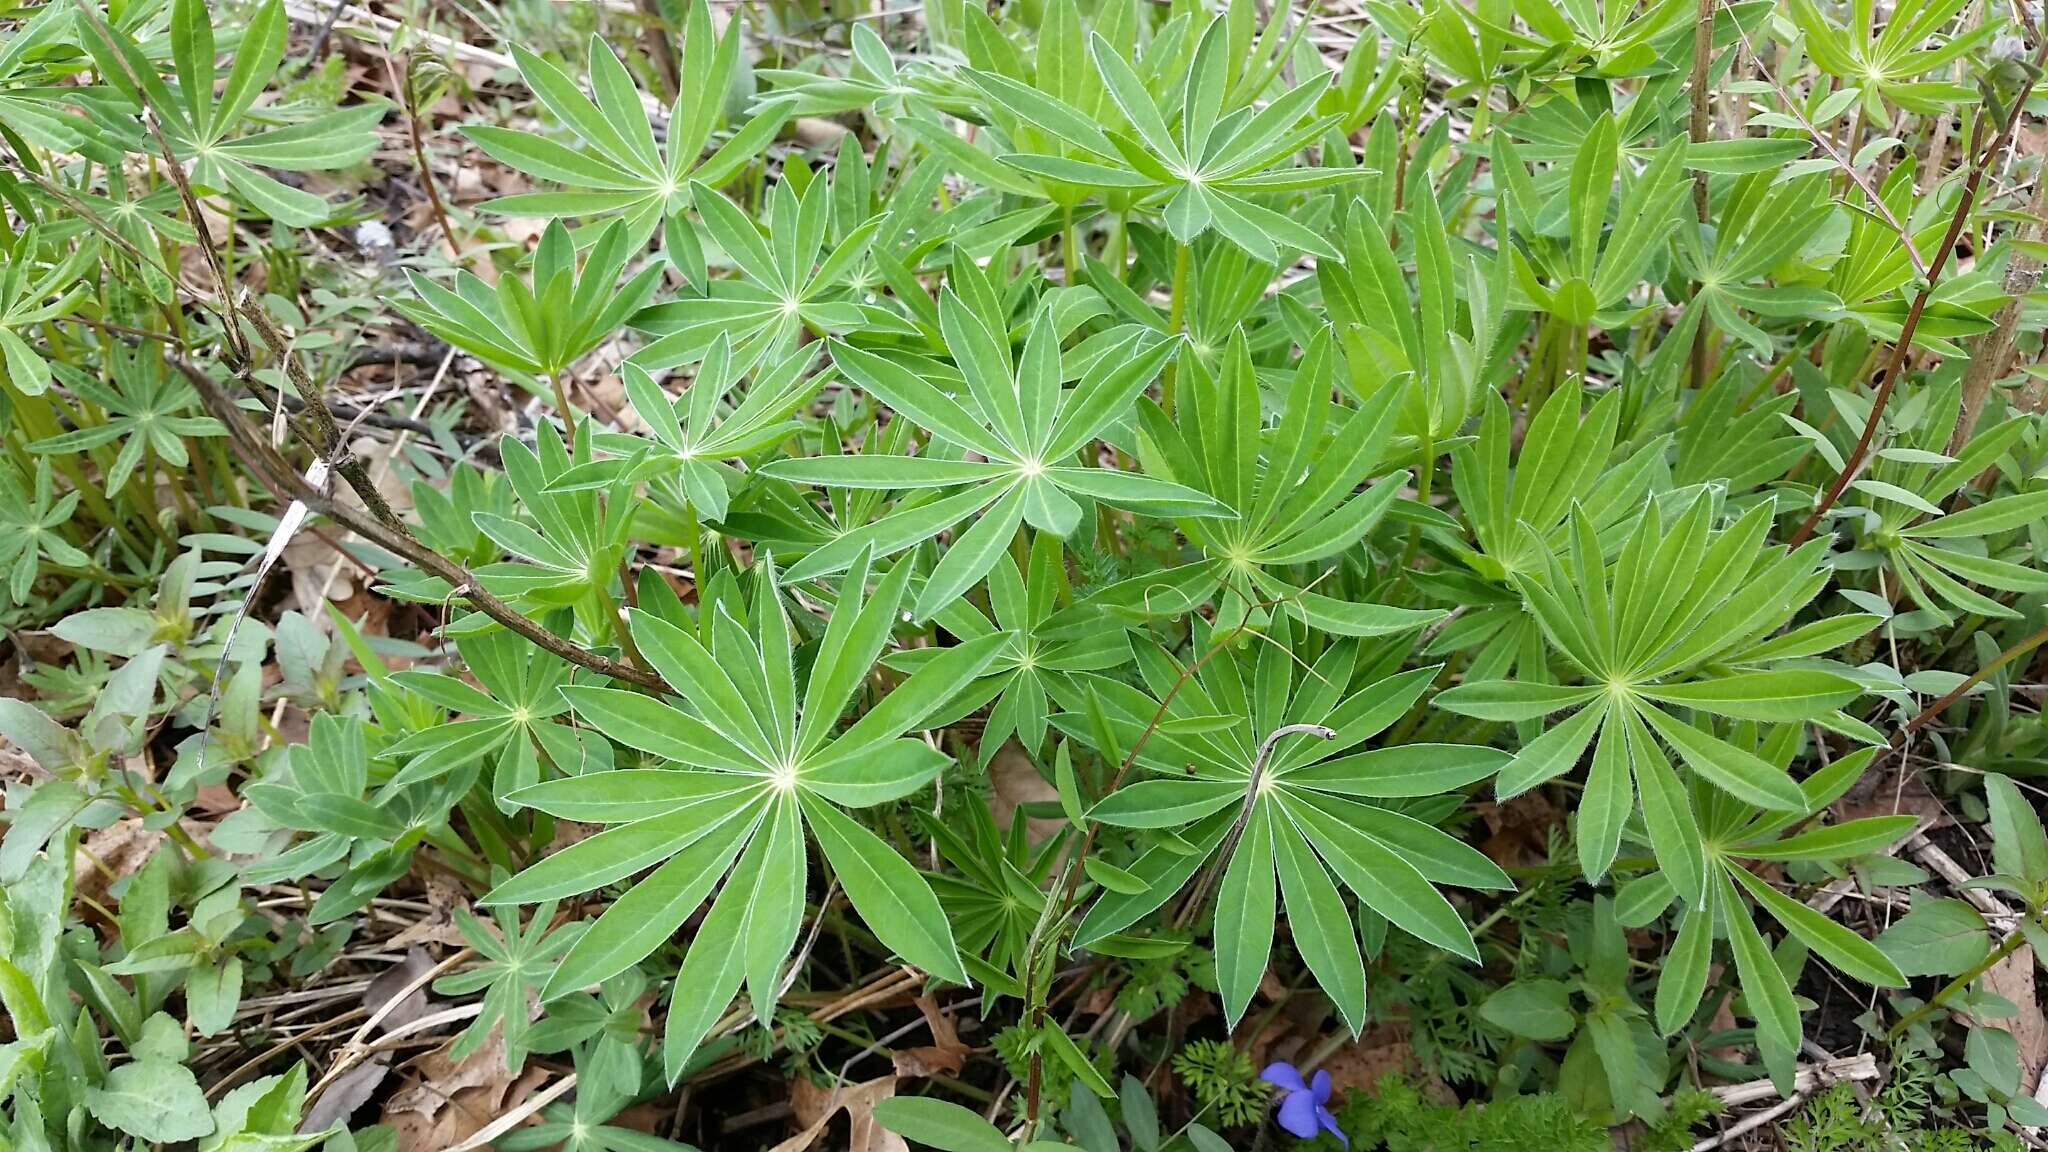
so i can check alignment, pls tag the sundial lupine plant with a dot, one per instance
(1079, 528)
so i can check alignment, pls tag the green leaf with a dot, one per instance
(1402, 771)
(1386, 882)
(1550, 755)
(1994, 1054)
(1321, 926)
(1164, 803)
(939, 1124)
(1764, 985)
(1533, 1009)
(2018, 846)
(1738, 156)
(1836, 944)
(1738, 773)
(626, 794)
(1245, 913)
(893, 900)
(1512, 700)
(617, 852)
(715, 965)
(649, 913)
(152, 1099)
(1836, 841)
(1077, 1062)
(1939, 937)
(1772, 697)
(875, 775)
(1993, 516)
(1112, 877)
(212, 993)
(1668, 815)
(1608, 799)
(1685, 968)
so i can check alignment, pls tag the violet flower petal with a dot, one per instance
(1298, 1114)
(1286, 1076)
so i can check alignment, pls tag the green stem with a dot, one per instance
(554, 382)
(695, 536)
(1539, 353)
(1422, 485)
(620, 633)
(1176, 315)
(1070, 250)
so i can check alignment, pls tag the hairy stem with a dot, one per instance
(280, 475)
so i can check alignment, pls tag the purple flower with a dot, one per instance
(1303, 1110)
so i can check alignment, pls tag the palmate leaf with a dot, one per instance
(566, 549)
(695, 435)
(994, 891)
(1565, 461)
(1048, 642)
(1388, 331)
(1201, 173)
(542, 328)
(1590, 277)
(1740, 837)
(1961, 559)
(789, 280)
(619, 168)
(146, 409)
(1305, 815)
(515, 963)
(508, 719)
(1293, 495)
(1887, 66)
(873, 83)
(1764, 220)
(748, 766)
(30, 522)
(1662, 632)
(204, 128)
(32, 294)
(1022, 422)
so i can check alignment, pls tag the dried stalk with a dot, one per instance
(280, 475)
(1895, 365)
(1991, 357)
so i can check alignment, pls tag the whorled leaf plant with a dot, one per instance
(743, 764)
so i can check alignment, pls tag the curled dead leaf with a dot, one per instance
(815, 1106)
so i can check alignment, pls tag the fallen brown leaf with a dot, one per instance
(350, 1091)
(444, 896)
(2013, 979)
(391, 982)
(814, 1108)
(927, 1060)
(1887, 793)
(1518, 832)
(1014, 782)
(109, 854)
(945, 1054)
(448, 1101)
